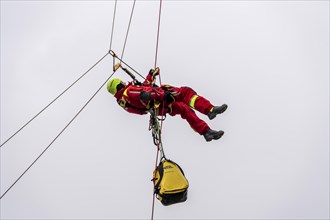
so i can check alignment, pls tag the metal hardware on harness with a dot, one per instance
(154, 126)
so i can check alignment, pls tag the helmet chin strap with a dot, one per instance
(120, 86)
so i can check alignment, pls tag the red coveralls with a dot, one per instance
(185, 99)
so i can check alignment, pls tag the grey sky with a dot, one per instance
(268, 60)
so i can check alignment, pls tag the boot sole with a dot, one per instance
(216, 137)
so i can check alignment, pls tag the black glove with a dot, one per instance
(169, 97)
(154, 72)
(136, 82)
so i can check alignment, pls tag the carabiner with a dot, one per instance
(112, 53)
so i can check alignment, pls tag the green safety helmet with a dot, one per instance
(112, 85)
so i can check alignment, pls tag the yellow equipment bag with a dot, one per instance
(171, 186)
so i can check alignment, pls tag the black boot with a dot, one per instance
(212, 135)
(217, 110)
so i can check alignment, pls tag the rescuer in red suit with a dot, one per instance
(139, 98)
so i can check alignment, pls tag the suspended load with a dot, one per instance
(171, 185)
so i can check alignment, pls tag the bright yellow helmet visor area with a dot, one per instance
(112, 85)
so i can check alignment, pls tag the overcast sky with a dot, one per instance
(268, 60)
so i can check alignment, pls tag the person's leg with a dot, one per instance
(194, 100)
(198, 125)
(188, 114)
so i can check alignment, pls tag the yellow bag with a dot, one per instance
(171, 186)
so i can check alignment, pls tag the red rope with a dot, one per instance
(153, 195)
(161, 123)
(160, 11)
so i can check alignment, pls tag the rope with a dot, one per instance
(161, 123)
(122, 61)
(113, 24)
(153, 195)
(112, 53)
(71, 119)
(158, 29)
(53, 101)
(56, 137)
(129, 25)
